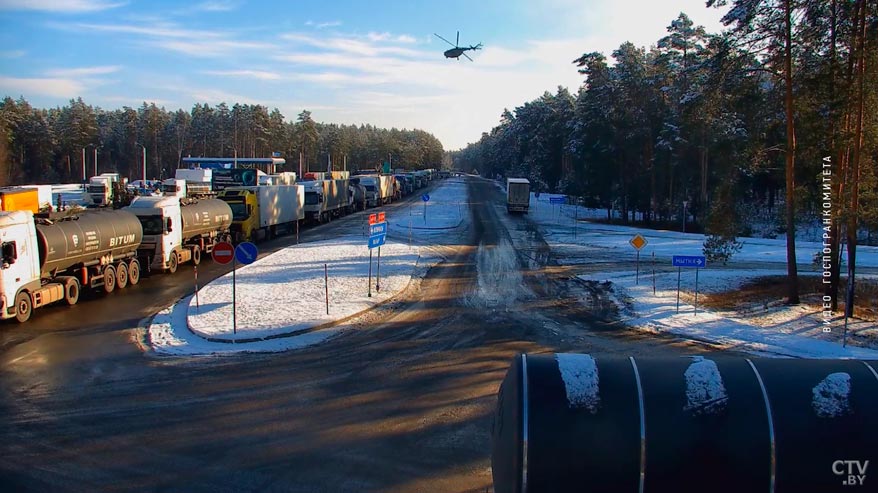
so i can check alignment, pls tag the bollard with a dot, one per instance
(326, 286)
(577, 422)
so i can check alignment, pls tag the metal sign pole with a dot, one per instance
(378, 273)
(234, 301)
(370, 272)
(696, 290)
(197, 304)
(410, 229)
(425, 212)
(297, 232)
(637, 275)
(679, 269)
(575, 219)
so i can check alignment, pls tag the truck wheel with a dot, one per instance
(23, 307)
(71, 291)
(172, 263)
(133, 272)
(196, 255)
(109, 279)
(121, 275)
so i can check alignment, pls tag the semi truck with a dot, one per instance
(325, 199)
(283, 178)
(178, 230)
(517, 195)
(46, 261)
(379, 189)
(102, 188)
(264, 211)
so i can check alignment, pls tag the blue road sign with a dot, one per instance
(376, 241)
(246, 253)
(696, 261)
(557, 200)
(378, 229)
(425, 197)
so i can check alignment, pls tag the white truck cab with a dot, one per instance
(162, 233)
(20, 267)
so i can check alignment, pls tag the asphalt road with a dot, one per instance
(402, 403)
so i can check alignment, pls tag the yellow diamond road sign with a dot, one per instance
(638, 242)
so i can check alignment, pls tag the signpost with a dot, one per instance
(425, 198)
(377, 237)
(553, 201)
(638, 242)
(689, 261)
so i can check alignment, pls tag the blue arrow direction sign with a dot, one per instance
(246, 253)
(376, 241)
(378, 229)
(697, 261)
(425, 197)
(557, 200)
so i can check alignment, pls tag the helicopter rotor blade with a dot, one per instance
(467, 57)
(457, 43)
(443, 39)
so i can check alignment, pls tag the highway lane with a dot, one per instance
(403, 403)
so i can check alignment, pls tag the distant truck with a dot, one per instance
(379, 189)
(174, 187)
(265, 211)
(325, 199)
(517, 195)
(178, 230)
(284, 178)
(102, 188)
(44, 261)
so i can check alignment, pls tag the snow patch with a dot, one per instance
(830, 396)
(580, 375)
(705, 392)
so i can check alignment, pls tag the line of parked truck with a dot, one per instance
(48, 254)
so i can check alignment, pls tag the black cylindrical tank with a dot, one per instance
(87, 238)
(205, 216)
(573, 422)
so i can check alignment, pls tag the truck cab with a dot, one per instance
(101, 188)
(245, 213)
(20, 265)
(162, 231)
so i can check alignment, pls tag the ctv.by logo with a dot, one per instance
(854, 471)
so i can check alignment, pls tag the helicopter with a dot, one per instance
(458, 50)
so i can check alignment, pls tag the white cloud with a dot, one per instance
(405, 38)
(210, 48)
(83, 71)
(349, 45)
(216, 6)
(322, 25)
(60, 6)
(53, 87)
(250, 74)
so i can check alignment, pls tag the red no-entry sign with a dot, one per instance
(223, 252)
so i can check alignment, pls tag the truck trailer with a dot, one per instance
(325, 199)
(379, 189)
(19, 199)
(178, 230)
(517, 195)
(264, 211)
(46, 261)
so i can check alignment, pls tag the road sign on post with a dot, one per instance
(373, 218)
(246, 253)
(425, 198)
(376, 241)
(557, 200)
(680, 261)
(638, 242)
(223, 252)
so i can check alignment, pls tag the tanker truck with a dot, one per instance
(45, 261)
(179, 230)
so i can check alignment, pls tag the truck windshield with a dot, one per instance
(152, 225)
(239, 210)
(311, 198)
(370, 188)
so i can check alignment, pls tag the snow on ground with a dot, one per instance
(281, 298)
(765, 327)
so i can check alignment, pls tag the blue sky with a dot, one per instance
(346, 61)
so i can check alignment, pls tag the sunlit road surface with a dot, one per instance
(402, 403)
